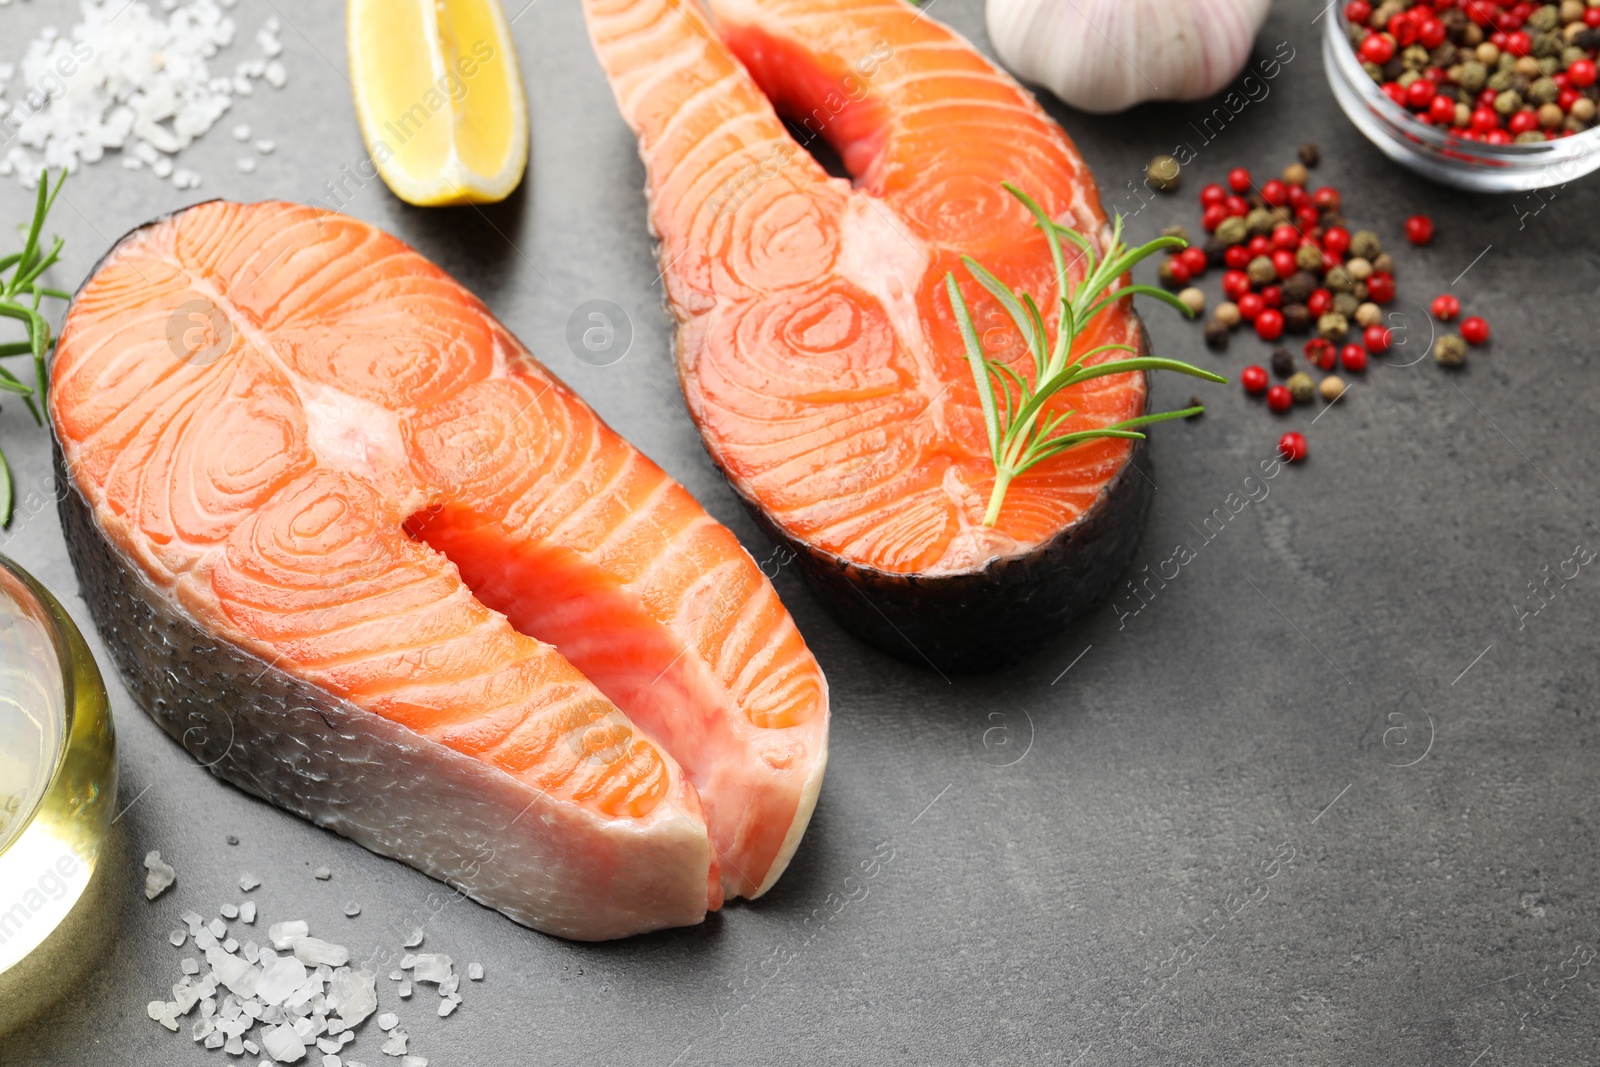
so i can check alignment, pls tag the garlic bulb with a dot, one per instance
(1107, 55)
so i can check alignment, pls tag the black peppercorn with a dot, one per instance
(1310, 154)
(1215, 250)
(1282, 362)
(1298, 287)
(1296, 318)
(1216, 335)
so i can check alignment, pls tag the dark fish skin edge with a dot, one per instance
(1000, 614)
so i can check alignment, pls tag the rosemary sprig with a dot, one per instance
(1020, 433)
(20, 294)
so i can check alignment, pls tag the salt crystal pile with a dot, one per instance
(126, 79)
(294, 999)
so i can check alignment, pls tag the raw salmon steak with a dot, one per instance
(816, 346)
(365, 558)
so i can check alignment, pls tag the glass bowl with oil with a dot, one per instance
(58, 786)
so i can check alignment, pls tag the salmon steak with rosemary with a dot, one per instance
(364, 557)
(826, 359)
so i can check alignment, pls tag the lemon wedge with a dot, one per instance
(439, 98)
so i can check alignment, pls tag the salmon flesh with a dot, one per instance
(365, 558)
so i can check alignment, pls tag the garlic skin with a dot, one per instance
(1107, 55)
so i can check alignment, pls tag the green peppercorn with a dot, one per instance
(1365, 243)
(1308, 258)
(1346, 304)
(1259, 222)
(1216, 335)
(1415, 58)
(1261, 271)
(1544, 91)
(1231, 230)
(1383, 264)
(1450, 350)
(1301, 387)
(1547, 45)
(1570, 56)
(1360, 291)
(1508, 102)
(1333, 326)
(1338, 279)
(1530, 136)
(1473, 75)
(1500, 80)
(1545, 18)
(1310, 154)
(1163, 173)
(1282, 362)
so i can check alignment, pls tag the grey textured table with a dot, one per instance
(1323, 800)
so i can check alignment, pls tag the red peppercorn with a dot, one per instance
(1336, 242)
(1442, 110)
(1259, 246)
(1431, 33)
(1354, 358)
(1396, 92)
(1376, 338)
(1319, 350)
(1279, 399)
(1582, 73)
(1308, 216)
(1446, 307)
(1565, 98)
(1272, 296)
(1237, 257)
(1254, 380)
(1239, 180)
(1283, 262)
(1320, 302)
(1298, 196)
(1358, 11)
(1591, 17)
(1238, 206)
(1377, 48)
(1523, 121)
(1250, 306)
(1269, 324)
(1235, 283)
(1380, 287)
(1292, 446)
(1484, 119)
(1178, 270)
(1404, 28)
(1195, 260)
(1519, 43)
(1497, 137)
(1275, 193)
(1286, 236)
(1486, 98)
(1212, 216)
(1212, 194)
(1419, 94)
(1419, 229)
(1475, 330)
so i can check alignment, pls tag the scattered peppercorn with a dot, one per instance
(1310, 154)
(1333, 326)
(1292, 446)
(1353, 358)
(1419, 228)
(1365, 243)
(1450, 350)
(1331, 388)
(1296, 318)
(1376, 338)
(1254, 380)
(1368, 314)
(1227, 313)
(1301, 387)
(1269, 324)
(1193, 299)
(1446, 307)
(1216, 334)
(1475, 330)
(1279, 399)
(1163, 174)
(1320, 351)
(1282, 363)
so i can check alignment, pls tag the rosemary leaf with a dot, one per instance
(1018, 439)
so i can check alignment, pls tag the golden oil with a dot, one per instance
(58, 785)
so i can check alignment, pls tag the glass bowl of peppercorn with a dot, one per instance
(1477, 94)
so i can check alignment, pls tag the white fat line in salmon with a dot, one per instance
(1144, 587)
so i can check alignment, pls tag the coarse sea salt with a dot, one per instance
(125, 79)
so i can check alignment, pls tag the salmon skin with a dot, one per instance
(365, 558)
(816, 346)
